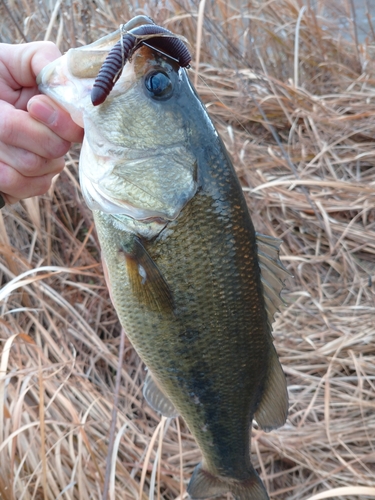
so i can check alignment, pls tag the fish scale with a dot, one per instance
(188, 245)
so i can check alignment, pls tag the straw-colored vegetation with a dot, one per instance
(292, 94)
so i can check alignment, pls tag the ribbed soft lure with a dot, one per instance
(132, 39)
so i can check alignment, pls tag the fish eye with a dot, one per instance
(158, 84)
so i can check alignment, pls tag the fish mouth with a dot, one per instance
(55, 81)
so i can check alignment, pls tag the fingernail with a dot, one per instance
(42, 112)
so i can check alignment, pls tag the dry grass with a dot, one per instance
(305, 155)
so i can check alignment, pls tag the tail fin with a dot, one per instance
(203, 484)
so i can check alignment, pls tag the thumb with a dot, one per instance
(26, 60)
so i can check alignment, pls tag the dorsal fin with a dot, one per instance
(273, 273)
(273, 408)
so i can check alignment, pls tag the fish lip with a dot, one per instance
(44, 75)
(55, 81)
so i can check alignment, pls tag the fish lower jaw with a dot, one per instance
(96, 199)
(124, 216)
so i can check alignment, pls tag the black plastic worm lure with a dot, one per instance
(115, 61)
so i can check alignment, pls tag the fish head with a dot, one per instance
(137, 160)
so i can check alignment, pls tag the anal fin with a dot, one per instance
(272, 411)
(156, 398)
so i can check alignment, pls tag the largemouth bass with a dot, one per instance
(194, 286)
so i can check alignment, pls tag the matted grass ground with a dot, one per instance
(294, 100)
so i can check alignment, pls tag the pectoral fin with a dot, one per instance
(146, 280)
(156, 398)
(273, 409)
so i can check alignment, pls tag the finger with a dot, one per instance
(23, 62)
(15, 186)
(29, 164)
(43, 109)
(9, 200)
(19, 129)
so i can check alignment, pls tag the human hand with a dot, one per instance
(35, 132)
